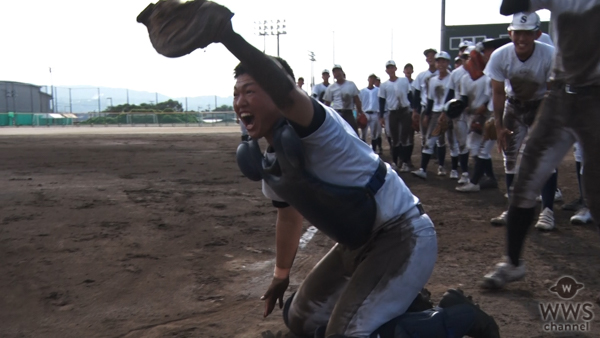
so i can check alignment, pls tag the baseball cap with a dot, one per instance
(442, 55)
(465, 44)
(390, 63)
(336, 67)
(525, 22)
(325, 71)
(429, 50)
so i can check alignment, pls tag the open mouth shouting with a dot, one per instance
(247, 119)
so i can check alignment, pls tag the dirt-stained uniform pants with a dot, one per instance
(564, 118)
(401, 127)
(354, 292)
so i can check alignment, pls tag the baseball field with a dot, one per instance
(154, 232)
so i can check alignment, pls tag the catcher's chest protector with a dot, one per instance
(345, 214)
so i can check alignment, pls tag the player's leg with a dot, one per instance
(441, 149)
(373, 124)
(577, 203)
(406, 138)
(388, 133)
(311, 306)
(548, 142)
(348, 115)
(461, 132)
(395, 120)
(513, 121)
(452, 142)
(391, 272)
(430, 142)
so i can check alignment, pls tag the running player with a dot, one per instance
(569, 113)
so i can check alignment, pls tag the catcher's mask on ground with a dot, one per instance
(254, 107)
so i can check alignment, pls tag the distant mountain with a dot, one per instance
(85, 99)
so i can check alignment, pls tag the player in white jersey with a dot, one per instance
(343, 97)
(520, 72)
(369, 98)
(319, 90)
(434, 117)
(420, 85)
(316, 168)
(569, 113)
(394, 98)
(545, 38)
(476, 91)
(459, 152)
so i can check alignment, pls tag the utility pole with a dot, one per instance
(186, 104)
(70, 102)
(311, 57)
(156, 97)
(216, 102)
(127, 95)
(99, 104)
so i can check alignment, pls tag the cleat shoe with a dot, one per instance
(469, 187)
(441, 171)
(488, 183)
(505, 273)
(546, 220)
(558, 197)
(500, 220)
(420, 173)
(583, 216)
(454, 175)
(484, 325)
(575, 205)
(405, 168)
(464, 178)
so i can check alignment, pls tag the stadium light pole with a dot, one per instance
(274, 28)
(443, 30)
(311, 57)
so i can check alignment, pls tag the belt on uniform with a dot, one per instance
(342, 111)
(417, 211)
(524, 104)
(370, 112)
(575, 90)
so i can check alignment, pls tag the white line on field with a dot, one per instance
(307, 236)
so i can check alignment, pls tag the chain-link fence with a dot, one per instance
(132, 119)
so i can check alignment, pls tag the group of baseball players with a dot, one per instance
(533, 101)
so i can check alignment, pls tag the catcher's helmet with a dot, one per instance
(454, 108)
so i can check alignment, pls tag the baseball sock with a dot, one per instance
(379, 143)
(389, 141)
(464, 162)
(509, 180)
(478, 170)
(374, 145)
(396, 153)
(409, 153)
(441, 155)
(488, 168)
(517, 224)
(578, 166)
(548, 192)
(425, 161)
(454, 162)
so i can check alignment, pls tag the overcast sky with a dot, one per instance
(99, 43)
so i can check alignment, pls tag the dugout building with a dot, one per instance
(24, 104)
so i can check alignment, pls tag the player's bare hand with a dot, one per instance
(502, 134)
(382, 122)
(275, 293)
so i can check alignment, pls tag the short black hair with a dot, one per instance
(373, 76)
(409, 65)
(300, 78)
(429, 50)
(241, 70)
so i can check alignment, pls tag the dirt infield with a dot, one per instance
(161, 236)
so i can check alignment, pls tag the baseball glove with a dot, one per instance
(178, 28)
(489, 130)
(362, 121)
(477, 124)
(441, 127)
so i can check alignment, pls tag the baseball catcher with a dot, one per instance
(316, 168)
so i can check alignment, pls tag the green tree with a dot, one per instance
(224, 108)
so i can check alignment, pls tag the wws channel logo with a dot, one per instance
(567, 315)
